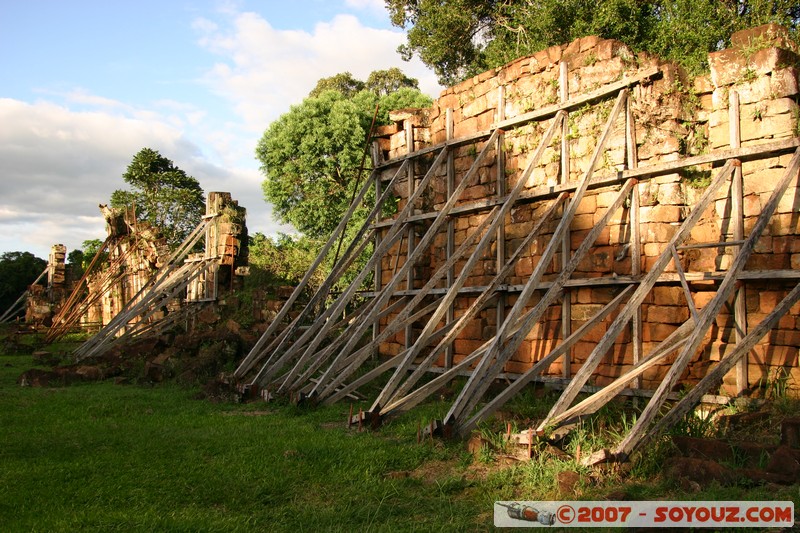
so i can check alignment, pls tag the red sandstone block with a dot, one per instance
(669, 295)
(556, 368)
(769, 262)
(583, 222)
(656, 332)
(524, 267)
(654, 374)
(620, 354)
(466, 347)
(784, 337)
(667, 314)
(588, 205)
(594, 334)
(523, 353)
(784, 82)
(774, 355)
(582, 350)
(515, 367)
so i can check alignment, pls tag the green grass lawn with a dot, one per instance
(109, 457)
(106, 457)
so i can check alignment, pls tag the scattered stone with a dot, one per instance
(567, 482)
(43, 357)
(90, 373)
(790, 432)
(475, 444)
(701, 471)
(786, 462)
(703, 448)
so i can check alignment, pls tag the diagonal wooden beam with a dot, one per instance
(714, 377)
(508, 349)
(322, 326)
(402, 320)
(491, 234)
(488, 293)
(256, 353)
(675, 340)
(498, 401)
(414, 255)
(647, 283)
(480, 380)
(710, 311)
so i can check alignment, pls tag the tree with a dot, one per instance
(164, 195)
(344, 82)
(89, 249)
(386, 82)
(460, 38)
(312, 154)
(17, 271)
(284, 259)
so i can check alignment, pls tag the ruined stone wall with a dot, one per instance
(675, 117)
(138, 250)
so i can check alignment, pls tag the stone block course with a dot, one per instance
(670, 123)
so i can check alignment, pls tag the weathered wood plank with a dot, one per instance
(710, 311)
(713, 378)
(746, 153)
(539, 114)
(490, 235)
(562, 349)
(644, 288)
(495, 357)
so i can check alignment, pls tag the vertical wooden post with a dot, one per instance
(411, 236)
(500, 259)
(566, 240)
(376, 160)
(635, 236)
(451, 229)
(737, 216)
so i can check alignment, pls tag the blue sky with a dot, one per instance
(85, 84)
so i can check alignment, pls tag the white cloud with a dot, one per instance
(57, 165)
(64, 154)
(263, 70)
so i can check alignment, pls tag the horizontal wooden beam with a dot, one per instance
(745, 153)
(667, 277)
(538, 114)
(559, 383)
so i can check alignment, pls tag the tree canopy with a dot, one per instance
(460, 38)
(17, 271)
(312, 154)
(380, 82)
(163, 194)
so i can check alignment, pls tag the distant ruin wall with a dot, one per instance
(675, 118)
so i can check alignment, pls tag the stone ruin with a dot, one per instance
(586, 217)
(133, 257)
(675, 117)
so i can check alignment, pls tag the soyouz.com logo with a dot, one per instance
(698, 514)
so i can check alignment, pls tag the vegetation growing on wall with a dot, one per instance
(460, 38)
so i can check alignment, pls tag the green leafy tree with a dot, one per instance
(284, 259)
(386, 82)
(89, 249)
(17, 271)
(344, 82)
(312, 154)
(460, 38)
(163, 194)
